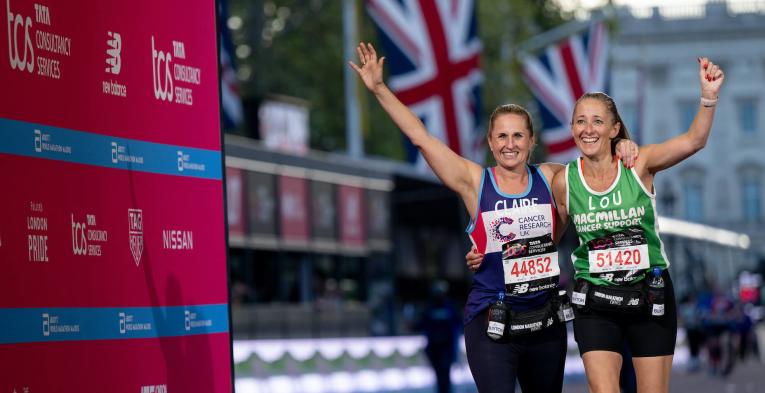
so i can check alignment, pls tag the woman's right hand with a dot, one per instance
(371, 67)
(474, 259)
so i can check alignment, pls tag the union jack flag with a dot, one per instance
(558, 77)
(231, 103)
(432, 51)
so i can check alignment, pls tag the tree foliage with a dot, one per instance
(296, 49)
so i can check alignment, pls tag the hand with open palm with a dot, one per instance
(371, 67)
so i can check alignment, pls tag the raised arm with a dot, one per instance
(459, 174)
(654, 158)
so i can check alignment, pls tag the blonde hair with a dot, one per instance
(511, 109)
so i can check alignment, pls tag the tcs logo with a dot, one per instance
(79, 240)
(163, 82)
(18, 62)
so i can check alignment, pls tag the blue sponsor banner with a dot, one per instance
(38, 141)
(25, 325)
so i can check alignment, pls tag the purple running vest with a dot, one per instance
(502, 218)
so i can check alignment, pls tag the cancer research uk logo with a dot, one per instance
(135, 219)
(21, 51)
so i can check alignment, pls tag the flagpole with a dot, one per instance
(354, 143)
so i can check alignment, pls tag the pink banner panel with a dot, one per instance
(134, 69)
(112, 230)
(352, 215)
(293, 208)
(125, 366)
(59, 249)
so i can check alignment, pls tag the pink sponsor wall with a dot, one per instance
(112, 243)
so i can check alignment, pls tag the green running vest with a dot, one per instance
(617, 228)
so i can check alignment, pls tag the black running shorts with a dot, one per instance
(645, 335)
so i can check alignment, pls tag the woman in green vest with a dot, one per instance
(623, 291)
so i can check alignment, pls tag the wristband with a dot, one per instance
(708, 102)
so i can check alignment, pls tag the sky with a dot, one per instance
(569, 4)
(645, 5)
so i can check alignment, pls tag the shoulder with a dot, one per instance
(550, 169)
(476, 174)
(559, 180)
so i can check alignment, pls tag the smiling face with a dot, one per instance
(510, 140)
(593, 126)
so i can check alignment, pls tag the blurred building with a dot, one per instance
(655, 82)
(322, 245)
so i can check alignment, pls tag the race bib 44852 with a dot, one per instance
(530, 265)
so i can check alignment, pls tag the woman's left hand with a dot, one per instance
(474, 259)
(711, 78)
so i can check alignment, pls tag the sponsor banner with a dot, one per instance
(107, 238)
(67, 324)
(323, 211)
(293, 208)
(111, 156)
(88, 66)
(351, 205)
(33, 140)
(170, 364)
(261, 203)
(235, 201)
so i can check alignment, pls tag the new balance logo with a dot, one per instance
(114, 60)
